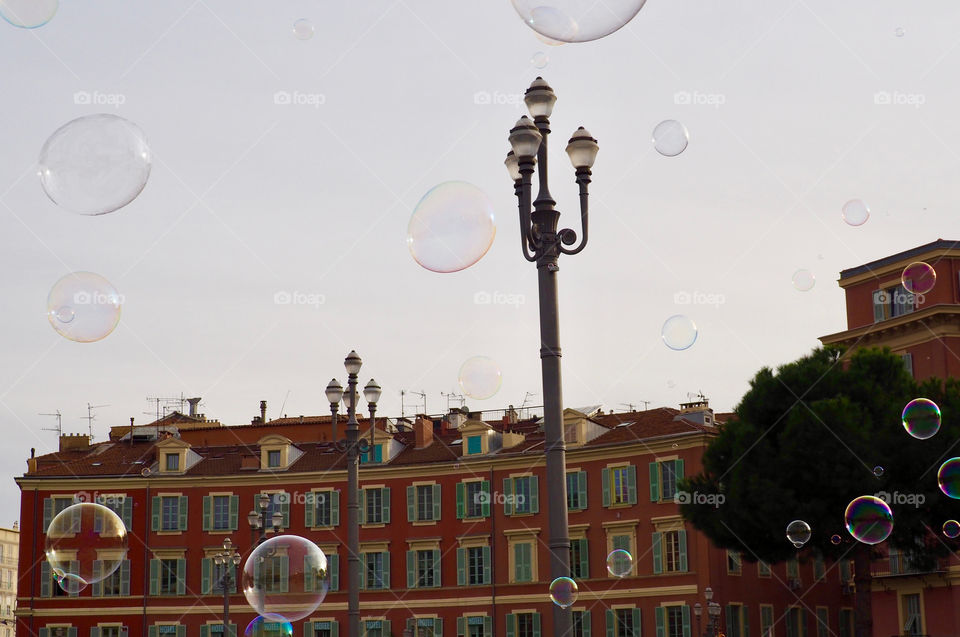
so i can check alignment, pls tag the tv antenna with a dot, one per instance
(59, 418)
(404, 392)
(90, 417)
(164, 403)
(526, 396)
(452, 397)
(633, 407)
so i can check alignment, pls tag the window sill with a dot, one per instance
(169, 532)
(626, 505)
(220, 531)
(425, 523)
(473, 518)
(325, 527)
(522, 515)
(374, 525)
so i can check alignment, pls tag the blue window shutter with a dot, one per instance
(485, 504)
(206, 586)
(411, 568)
(436, 502)
(507, 496)
(632, 484)
(45, 579)
(234, 511)
(461, 496)
(125, 577)
(536, 625)
(511, 625)
(334, 508)
(461, 566)
(333, 563)
(411, 504)
(605, 478)
(309, 508)
(682, 545)
(207, 512)
(156, 505)
(657, 553)
(436, 568)
(181, 577)
(685, 616)
(654, 482)
(385, 504)
(182, 510)
(486, 564)
(534, 494)
(154, 577)
(461, 627)
(659, 612)
(612, 624)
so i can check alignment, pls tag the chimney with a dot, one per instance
(131, 431)
(74, 442)
(193, 405)
(423, 429)
(263, 411)
(511, 417)
(697, 411)
(454, 419)
(16, 526)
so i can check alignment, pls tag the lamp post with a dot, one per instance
(372, 393)
(713, 614)
(259, 521)
(334, 395)
(543, 244)
(225, 559)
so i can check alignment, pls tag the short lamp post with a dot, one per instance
(713, 614)
(372, 393)
(226, 559)
(259, 521)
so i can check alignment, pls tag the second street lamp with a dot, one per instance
(226, 561)
(542, 243)
(372, 393)
(260, 521)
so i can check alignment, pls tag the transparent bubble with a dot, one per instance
(268, 627)
(451, 228)
(563, 592)
(918, 277)
(480, 377)
(83, 307)
(803, 280)
(856, 212)
(921, 418)
(951, 528)
(670, 138)
(28, 14)
(878, 471)
(619, 563)
(869, 519)
(85, 543)
(285, 578)
(835, 539)
(95, 164)
(71, 584)
(302, 30)
(540, 60)
(798, 532)
(548, 41)
(948, 477)
(576, 20)
(899, 32)
(679, 332)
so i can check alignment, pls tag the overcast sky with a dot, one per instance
(249, 197)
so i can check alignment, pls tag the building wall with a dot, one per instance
(9, 547)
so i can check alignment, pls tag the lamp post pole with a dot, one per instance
(226, 559)
(713, 614)
(542, 243)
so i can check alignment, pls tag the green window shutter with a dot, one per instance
(789, 622)
(612, 624)
(461, 566)
(636, 622)
(486, 564)
(678, 469)
(125, 577)
(309, 508)
(308, 578)
(436, 502)
(182, 510)
(411, 567)
(205, 631)
(659, 612)
(385, 504)
(308, 629)
(534, 494)
(334, 629)
(411, 504)
(232, 630)
(45, 579)
(127, 515)
(632, 484)
(363, 571)
(72, 632)
(206, 565)
(234, 511)
(45, 632)
(461, 627)
(654, 482)
(729, 614)
(682, 545)
(518, 562)
(605, 478)
(536, 625)
(488, 626)
(746, 622)
(485, 504)
(438, 627)
(461, 488)
(362, 513)
(528, 562)
(155, 513)
(685, 618)
(94, 631)
(584, 559)
(47, 513)
(98, 585)
(386, 569)
(153, 631)
(284, 573)
(582, 489)
(154, 577)
(585, 624)
(285, 509)
(657, 554)
(207, 512)
(181, 630)
(181, 577)
(511, 625)
(334, 508)
(333, 563)
(803, 621)
(436, 568)
(75, 568)
(508, 496)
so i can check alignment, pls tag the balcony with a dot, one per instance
(898, 565)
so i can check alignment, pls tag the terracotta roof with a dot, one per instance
(105, 458)
(640, 425)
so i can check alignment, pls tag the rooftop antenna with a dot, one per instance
(163, 403)
(283, 404)
(526, 396)
(422, 394)
(59, 418)
(452, 397)
(90, 417)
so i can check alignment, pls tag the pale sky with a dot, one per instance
(248, 197)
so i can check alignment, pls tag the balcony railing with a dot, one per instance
(899, 565)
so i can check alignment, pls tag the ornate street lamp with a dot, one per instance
(226, 559)
(259, 521)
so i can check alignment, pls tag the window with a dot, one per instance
(576, 490)
(53, 506)
(272, 573)
(670, 552)
(376, 573)
(766, 621)
(912, 621)
(115, 584)
(474, 445)
(763, 569)
(375, 507)
(673, 621)
(736, 620)
(278, 503)
(892, 302)
(168, 577)
(581, 623)
(425, 627)
(908, 362)
(322, 508)
(846, 622)
(523, 562)
(375, 628)
(523, 625)
(477, 626)
(819, 570)
(579, 559)
(109, 631)
(570, 434)
(218, 574)
(473, 565)
(619, 485)
(521, 494)
(793, 569)
(172, 461)
(377, 455)
(169, 513)
(220, 512)
(428, 566)
(823, 625)
(473, 499)
(423, 503)
(625, 622)
(734, 562)
(273, 458)
(664, 476)
(321, 629)
(49, 586)
(793, 622)
(621, 562)
(120, 504)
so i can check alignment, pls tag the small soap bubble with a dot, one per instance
(869, 519)
(619, 563)
(563, 592)
(670, 138)
(798, 532)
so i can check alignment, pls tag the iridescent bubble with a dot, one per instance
(670, 138)
(85, 543)
(95, 164)
(951, 528)
(302, 30)
(83, 307)
(563, 592)
(28, 14)
(878, 471)
(869, 519)
(921, 418)
(619, 563)
(451, 228)
(798, 532)
(856, 212)
(918, 277)
(71, 584)
(679, 332)
(948, 477)
(540, 60)
(899, 32)
(480, 377)
(268, 627)
(576, 20)
(803, 280)
(835, 539)
(304, 567)
(548, 41)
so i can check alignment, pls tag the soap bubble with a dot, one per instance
(85, 543)
(480, 377)
(856, 212)
(921, 418)
(576, 20)
(28, 14)
(878, 471)
(84, 307)
(619, 563)
(803, 280)
(563, 592)
(302, 30)
(679, 332)
(540, 60)
(285, 578)
(899, 32)
(798, 532)
(835, 539)
(948, 477)
(918, 277)
(451, 228)
(951, 528)
(268, 627)
(869, 519)
(71, 584)
(670, 138)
